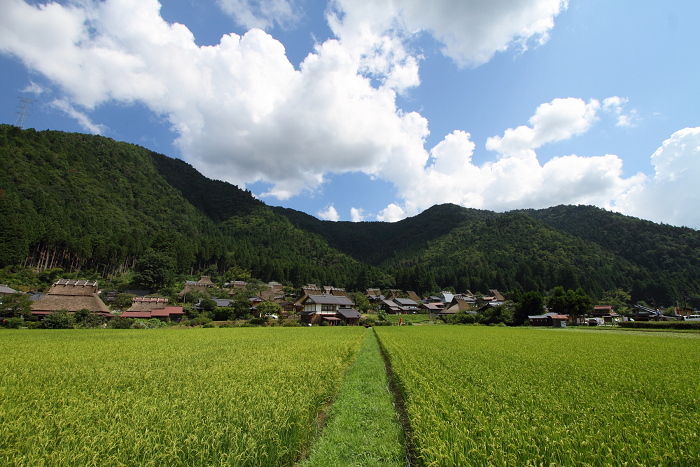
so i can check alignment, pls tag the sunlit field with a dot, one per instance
(480, 395)
(186, 397)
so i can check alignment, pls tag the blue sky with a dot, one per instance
(377, 110)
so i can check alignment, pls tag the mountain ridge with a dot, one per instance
(94, 202)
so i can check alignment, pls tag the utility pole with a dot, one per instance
(23, 111)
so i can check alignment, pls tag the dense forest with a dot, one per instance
(89, 203)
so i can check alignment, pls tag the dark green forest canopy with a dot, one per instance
(83, 201)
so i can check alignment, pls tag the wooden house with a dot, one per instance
(71, 295)
(323, 307)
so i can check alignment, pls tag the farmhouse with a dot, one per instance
(201, 285)
(71, 295)
(325, 307)
(153, 307)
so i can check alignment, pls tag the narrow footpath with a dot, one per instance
(362, 428)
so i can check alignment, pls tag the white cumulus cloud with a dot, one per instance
(517, 179)
(470, 31)
(616, 105)
(669, 195)
(357, 214)
(329, 214)
(554, 121)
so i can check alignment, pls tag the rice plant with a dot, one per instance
(518, 396)
(189, 397)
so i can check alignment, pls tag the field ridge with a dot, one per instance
(362, 427)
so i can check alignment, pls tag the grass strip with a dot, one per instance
(362, 429)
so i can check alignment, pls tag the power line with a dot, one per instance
(24, 110)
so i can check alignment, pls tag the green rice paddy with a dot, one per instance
(474, 395)
(480, 395)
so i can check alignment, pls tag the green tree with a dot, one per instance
(619, 299)
(207, 304)
(361, 301)
(268, 308)
(16, 305)
(237, 273)
(123, 300)
(570, 302)
(88, 319)
(154, 270)
(241, 306)
(530, 304)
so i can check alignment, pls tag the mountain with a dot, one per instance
(81, 201)
(88, 202)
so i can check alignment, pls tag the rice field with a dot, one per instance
(480, 395)
(189, 397)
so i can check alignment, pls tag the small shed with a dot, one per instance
(349, 316)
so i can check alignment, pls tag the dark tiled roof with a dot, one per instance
(326, 299)
(349, 313)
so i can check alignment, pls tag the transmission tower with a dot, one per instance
(23, 110)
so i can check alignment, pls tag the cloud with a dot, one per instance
(241, 111)
(517, 179)
(669, 195)
(329, 214)
(261, 14)
(33, 88)
(471, 31)
(392, 213)
(616, 105)
(83, 120)
(555, 121)
(357, 215)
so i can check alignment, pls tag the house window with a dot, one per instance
(327, 307)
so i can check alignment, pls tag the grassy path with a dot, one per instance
(362, 428)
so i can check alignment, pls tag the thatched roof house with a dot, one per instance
(71, 295)
(205, 281)
(147, 303)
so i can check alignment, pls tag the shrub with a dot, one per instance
(199, 321)
(58, 320)
(12, 323)
(258, 321)
(291, 323)
(226, 324)
(121, 323)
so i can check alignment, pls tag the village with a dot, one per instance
(204, 302)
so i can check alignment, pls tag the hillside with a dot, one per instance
(81, 201)
(88, 202)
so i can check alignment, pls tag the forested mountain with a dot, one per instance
(82, 201)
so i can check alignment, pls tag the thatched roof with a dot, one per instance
(147, 303)
(205, 281)
(73, 303)
(189, 288)
(413, 296)
(71, 295)
(73, 287)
